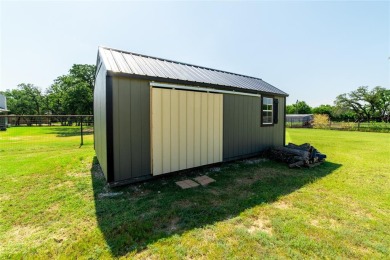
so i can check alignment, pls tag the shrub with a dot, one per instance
(321, 121)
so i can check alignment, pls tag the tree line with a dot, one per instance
(361, 104)
(70, 94)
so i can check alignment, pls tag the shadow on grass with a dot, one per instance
(140, 214)
(66, 131)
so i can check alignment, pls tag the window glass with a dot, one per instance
(267, 111)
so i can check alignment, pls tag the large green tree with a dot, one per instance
(26, 99)
(301, 107)
(366, 104)
(73, 93)
(382, 102)
(323, 109)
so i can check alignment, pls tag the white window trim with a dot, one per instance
(267, 110)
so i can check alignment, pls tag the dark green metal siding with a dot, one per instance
(242, 133)
(100, 119)
(131, 128)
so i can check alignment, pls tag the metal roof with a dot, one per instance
(299, 116)
(118, 61)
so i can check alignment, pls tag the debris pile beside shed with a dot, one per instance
(303, 155)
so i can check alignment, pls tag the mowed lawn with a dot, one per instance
(54, 203)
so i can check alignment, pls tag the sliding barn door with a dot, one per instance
(186, 129)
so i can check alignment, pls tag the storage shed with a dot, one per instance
(3, 111)
(155, 116)
(299, 120)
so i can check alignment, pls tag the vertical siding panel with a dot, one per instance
(221, 128)
(190, 129)
(145, 126)
(282, 119)
(183, 129)
(156, 131)
(226, 131)
(116, 120)
(262, 132)
(252, 121)
(210, 128)
(203, 133)
(100, 118)
(166, 129)
(197, 128)
(246, 123)
(246, 102)
(235, 126)
(251, 128)
(136, 130)
(238, 125)
(256, 123)
(228, 125)
(241, 124)
(232, 126)
(216, 129)
(174, 130)
(124, 140)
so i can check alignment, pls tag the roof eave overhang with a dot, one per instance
(191, 83)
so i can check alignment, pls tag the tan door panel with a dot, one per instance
(186, 129)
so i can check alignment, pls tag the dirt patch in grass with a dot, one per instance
(137, 192)
(263, 225)
(182, 204)
(255, 161)
(356, 209)
(282, 205)
(53, 208)
(248, 180)
(315, 222)
(214, 191)
(258, 174)
(325, 223)
(18, 234)
(4, 197)
(259, 224)
(173, 224)
(66, 184)
(77, 174)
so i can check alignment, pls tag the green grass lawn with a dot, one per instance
(53, 203)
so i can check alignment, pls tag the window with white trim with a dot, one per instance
(267, 111)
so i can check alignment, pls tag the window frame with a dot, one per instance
(261, 111)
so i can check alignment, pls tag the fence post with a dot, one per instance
(81, 131)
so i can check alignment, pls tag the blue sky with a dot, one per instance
(311, 50)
